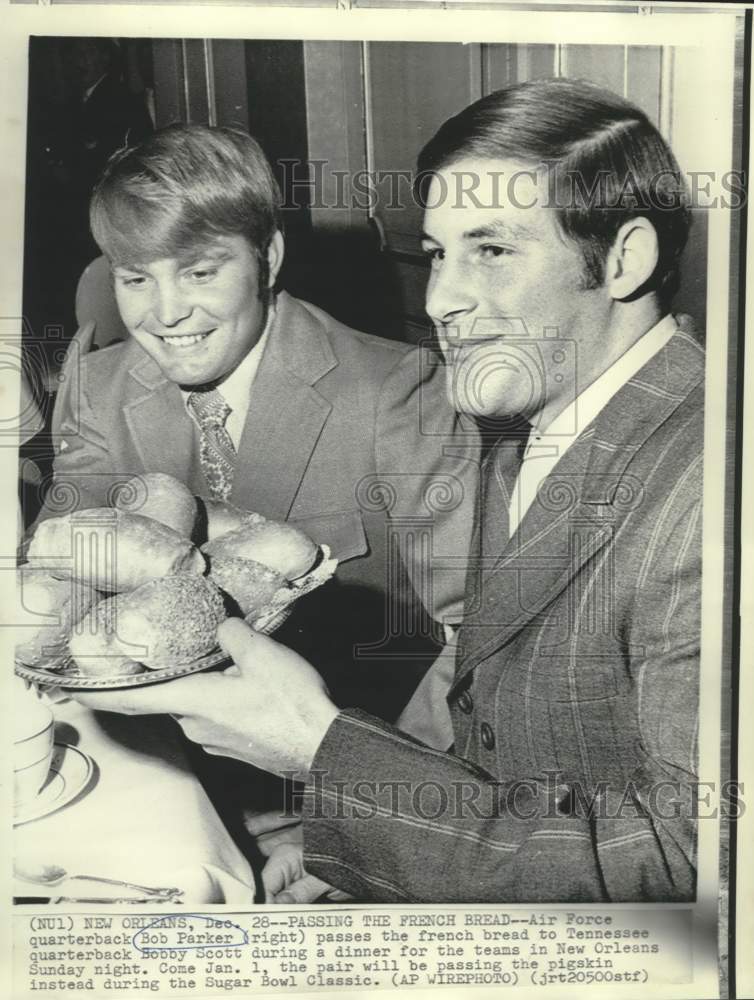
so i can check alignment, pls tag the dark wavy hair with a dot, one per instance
(181, 187)
(605, 160)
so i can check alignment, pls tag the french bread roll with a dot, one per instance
(112, 550)
(45, 609)
(250, 584)
(175, 618)
(161, 497)
(280, 546)
(223, 517)
(96, 645)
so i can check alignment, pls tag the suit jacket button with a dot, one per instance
(466, 702)
(488, 737)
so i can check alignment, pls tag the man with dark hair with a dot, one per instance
(606, 163)
(574, 700)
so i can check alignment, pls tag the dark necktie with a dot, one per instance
(217, 453)
(500, 466)
(499, 472)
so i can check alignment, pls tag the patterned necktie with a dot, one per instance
(217, 453)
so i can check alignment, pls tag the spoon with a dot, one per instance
(97, 899)
(54, 875)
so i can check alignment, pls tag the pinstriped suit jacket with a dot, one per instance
(574, 702)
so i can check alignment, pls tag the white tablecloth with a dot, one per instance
(145, 818)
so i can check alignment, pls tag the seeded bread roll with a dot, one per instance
(96, 646)
(175, 618)
(167, 622)
(112, 550)
(161, 497)
(45, 611)
(223, 517)
(279, 546)
(251, 585)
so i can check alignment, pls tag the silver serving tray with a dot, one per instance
(69, 675)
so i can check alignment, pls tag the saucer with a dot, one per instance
(70, 772)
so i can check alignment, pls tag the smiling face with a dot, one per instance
(198, 317)
(506, 292)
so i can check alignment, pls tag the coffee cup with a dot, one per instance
(34, 728)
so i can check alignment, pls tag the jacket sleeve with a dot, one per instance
(390, 820)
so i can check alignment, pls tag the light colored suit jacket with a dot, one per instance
(575, 697)
(341, 429)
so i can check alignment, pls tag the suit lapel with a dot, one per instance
(577, 509)
(286, 413)
(535, 564)
(156, 416)
(285, 417)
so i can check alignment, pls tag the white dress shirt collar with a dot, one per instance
(571, 421)
(547, 446)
